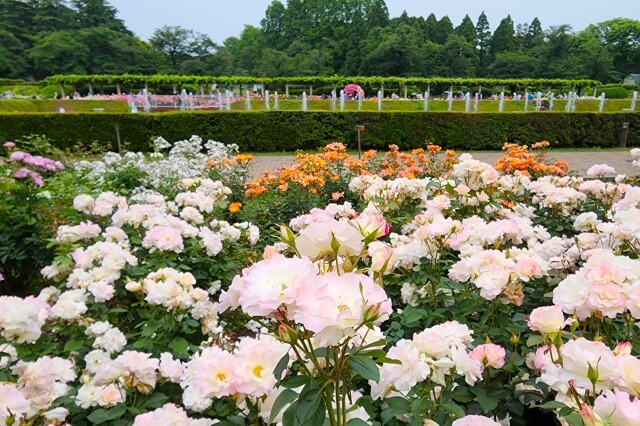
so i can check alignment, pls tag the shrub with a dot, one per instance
(293, 130)
(614, 92)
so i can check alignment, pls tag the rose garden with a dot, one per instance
(402, 287)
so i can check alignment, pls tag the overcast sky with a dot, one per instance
(226, 18)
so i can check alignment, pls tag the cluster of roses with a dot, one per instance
(31, 165)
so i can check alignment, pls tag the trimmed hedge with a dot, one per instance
(292, 130)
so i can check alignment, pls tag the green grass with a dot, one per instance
(613, 105)
(35, 106)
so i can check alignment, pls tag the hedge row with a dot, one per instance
(292, 130)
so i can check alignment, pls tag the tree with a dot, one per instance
(52, 15)
(273, 25)
(458, 58)
(377, 14)
(483, 32)
(621, 37)
(467, 30)
(60, 52)
(444, 29)
(593, 59)
(98, 13)
(12, 61)
(175, 42)
(431, 27)
(513, 65)
(535, 35)
(503, 39)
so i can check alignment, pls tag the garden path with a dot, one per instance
(579, 161)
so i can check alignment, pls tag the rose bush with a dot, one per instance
(462, 294)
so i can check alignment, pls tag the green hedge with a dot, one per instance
(292, 130)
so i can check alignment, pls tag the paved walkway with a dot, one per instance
(579, 161)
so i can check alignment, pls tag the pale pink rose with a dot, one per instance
(606, 298)
(623, 348)
(633, 299)
(170, 368)
(473, 420)
(8, 144)
(270, 252)
(589, 418)
(371, 225)
(269, 284)
(605, 273)
(163, 238)
(618, 408)
(571, 294)
(315, 240)
(333, 306)
(12, 402)
(629, 368)
(210, 374)
(490, 355)
(544, 356)
(547, 319)
(412, 370)
(528, 268)
(382, 256)
(579, 355)
(169, 415)
(255, 362)
(102, 291)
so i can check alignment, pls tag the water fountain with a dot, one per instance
(333, 99)
(379, 100)
(147, 104)
(183, 99)
(601, 106)
(551, 101)
(341, 100)
(526, 100)
(425, 107)
(475, 102)
(266, 100)
(467, 102)
(360, 97)
(539, 101)
(304, 101)
(634, 99)
(276, 105)
(501, 104)
(450, 99)
(228, 96)
(247, 100)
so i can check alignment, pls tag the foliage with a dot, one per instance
(257, 131)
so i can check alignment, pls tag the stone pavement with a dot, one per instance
(579, 161)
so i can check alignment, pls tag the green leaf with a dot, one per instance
(180, 347)
(155, 401)
(309, 402)
(287, 396)
(365, 367)
(101, 415)
(357, 422)
(551, 405)
(486, 402)
(74, 345)
(398, 404)
(411, 314)
(296, 382)
(535, 340)
(454, 408)
(282, 364)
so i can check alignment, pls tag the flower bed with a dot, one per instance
(443, 291)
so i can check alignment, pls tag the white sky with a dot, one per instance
(221, 19)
